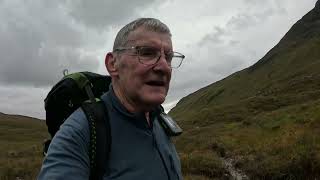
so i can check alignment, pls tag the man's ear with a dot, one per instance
(110, 63)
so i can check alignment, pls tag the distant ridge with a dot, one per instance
(17, 117)
(21, 144)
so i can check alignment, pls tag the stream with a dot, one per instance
(236, 174)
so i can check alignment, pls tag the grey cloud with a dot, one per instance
(41, 69)
(277, 6)
(216, 36)
(241, 21)
(40, 38)
(100, 13)
(258, 13)
(255, 2)
(198, 71)
(230, 63)
(213, 57)
(194, 73)
(37, 41)
(23, 100)
(223, 51)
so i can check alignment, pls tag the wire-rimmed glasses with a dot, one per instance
(150, 55)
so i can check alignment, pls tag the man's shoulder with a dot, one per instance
(67, 156)
(77, 121)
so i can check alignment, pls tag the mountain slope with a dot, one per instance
(295, 59)
(263, 117)
(21, 140)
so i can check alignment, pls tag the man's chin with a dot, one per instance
(155, 100)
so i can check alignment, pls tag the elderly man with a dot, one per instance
(140, 67)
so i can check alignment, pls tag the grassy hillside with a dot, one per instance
(266, 118)
(21, 146)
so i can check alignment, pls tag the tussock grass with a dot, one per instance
(279, 144)
(206, 164)
(21, 147)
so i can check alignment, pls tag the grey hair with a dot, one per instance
(151, 24)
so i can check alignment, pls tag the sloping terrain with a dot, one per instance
(21, 140)
(265, 118)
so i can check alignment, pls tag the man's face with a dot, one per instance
(140, 84)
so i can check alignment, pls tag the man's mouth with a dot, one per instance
(155, 83)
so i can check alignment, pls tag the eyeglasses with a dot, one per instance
(150, 55)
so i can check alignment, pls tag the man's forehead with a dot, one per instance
(142, 35)
(148, 41)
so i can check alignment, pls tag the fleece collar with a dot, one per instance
(137, 118)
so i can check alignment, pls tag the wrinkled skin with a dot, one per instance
(141, 87)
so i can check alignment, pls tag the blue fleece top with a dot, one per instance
(138, 151)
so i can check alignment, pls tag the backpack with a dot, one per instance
(82, 89)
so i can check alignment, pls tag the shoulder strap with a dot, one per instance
(100, 137)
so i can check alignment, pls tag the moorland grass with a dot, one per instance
(21, 147)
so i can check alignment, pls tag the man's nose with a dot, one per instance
(162, 63)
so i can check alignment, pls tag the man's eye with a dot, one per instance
(169, 57)
(148, 52)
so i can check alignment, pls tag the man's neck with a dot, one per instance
(127, 103)
(130, 107)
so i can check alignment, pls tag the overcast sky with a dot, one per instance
(38, 39)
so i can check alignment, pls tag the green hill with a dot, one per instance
(265, 118)
(21, 148)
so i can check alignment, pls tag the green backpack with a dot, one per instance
(82, 89)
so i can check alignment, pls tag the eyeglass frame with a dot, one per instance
(136, 48)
